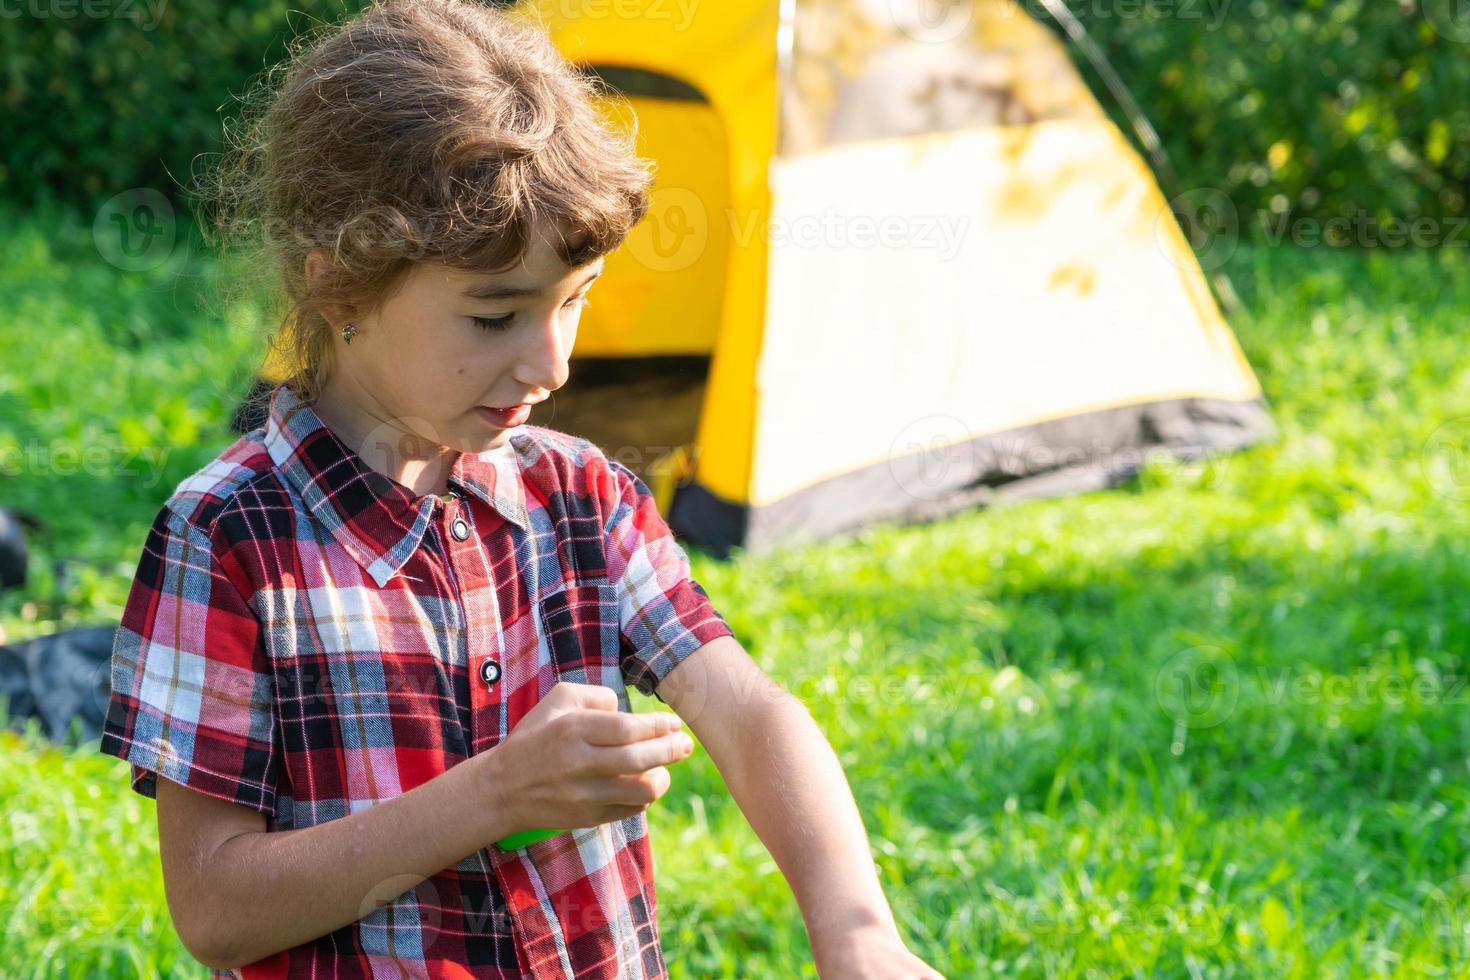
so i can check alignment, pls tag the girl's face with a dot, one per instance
(449, 342)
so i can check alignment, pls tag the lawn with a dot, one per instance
(1210, 724)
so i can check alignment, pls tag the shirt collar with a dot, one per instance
(376, 519)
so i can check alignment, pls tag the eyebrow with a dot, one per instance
(496, 290)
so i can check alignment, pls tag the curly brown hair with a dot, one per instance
(418, 130)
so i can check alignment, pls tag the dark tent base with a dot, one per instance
(1053, 458)
(637, 408)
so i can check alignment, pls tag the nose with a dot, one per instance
(544, 360)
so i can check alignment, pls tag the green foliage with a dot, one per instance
(115, 385)
(1310, 108)
(129, 95)
(83, 895)
(1319, 108)
(1003, 687)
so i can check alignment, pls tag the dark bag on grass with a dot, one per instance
(59, 678)
(13, 548)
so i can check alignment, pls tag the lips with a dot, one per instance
(505, 418)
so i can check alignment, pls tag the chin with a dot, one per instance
(496, 441)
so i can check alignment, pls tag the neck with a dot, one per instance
(383, 443)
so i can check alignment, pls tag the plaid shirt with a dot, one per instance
(306, 637)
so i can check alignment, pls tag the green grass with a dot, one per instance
(1210, 724)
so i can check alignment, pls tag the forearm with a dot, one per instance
(790, 785)
(278, 890)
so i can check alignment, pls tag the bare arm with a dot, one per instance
(238, 894)
(790, 785)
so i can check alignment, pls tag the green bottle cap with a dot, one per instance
(523, 837)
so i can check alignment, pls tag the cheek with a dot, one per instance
(421, 365)
(458, 366)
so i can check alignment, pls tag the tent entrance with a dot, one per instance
(642, 411)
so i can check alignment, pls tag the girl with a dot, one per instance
(395, 624)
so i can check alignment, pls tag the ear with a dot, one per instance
(318, 261)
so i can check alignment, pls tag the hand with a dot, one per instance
(575, 760)
(870, 954)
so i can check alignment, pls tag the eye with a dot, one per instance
(494, 322)
(507, 321)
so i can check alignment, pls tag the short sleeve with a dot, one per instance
(192, 691)
(664, 615)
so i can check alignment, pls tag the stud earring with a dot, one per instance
(348, 332)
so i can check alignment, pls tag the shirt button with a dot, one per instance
(490, 672)
(460, 528)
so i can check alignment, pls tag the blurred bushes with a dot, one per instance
(1323, 108)
(1309, 107)
(100, 96)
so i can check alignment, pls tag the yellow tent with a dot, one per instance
(924, 267)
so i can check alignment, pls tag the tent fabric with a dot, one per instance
(994, 305)
(863, 70)
(878, 219)
(952, 238)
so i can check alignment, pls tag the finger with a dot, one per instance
(611, 813)
(596, 696)
(623, 727)
(614, 760)
(640, 789)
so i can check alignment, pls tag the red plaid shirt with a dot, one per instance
(306, 637)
